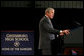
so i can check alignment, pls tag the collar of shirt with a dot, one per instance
(47, 16)
(48, 19)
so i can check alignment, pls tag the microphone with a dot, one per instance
(77, 23)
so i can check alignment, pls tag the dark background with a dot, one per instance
(28, 19)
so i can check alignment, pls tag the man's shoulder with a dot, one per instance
(44, 19)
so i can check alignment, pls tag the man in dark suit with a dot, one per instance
(47, 32)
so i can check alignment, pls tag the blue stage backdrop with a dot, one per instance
(17, 42)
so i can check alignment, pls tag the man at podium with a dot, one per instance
(47, 32)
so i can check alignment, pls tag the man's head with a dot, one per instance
(49, 12)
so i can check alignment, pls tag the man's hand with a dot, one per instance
(61, 33)
(66, 32)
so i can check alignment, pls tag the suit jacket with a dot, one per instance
(46, 33)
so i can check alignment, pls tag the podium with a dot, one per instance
(74, 41)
